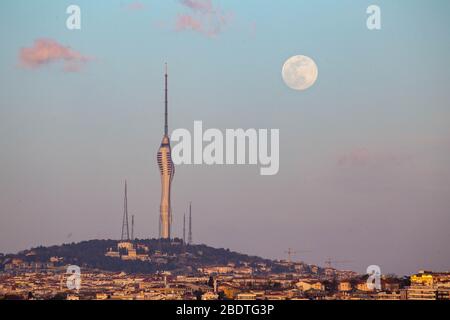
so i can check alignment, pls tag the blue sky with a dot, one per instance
(364, 152)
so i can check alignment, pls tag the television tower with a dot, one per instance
(190, 224)
(167, 171)
(125, 230)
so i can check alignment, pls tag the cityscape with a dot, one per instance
(235, 281)
(31, 278)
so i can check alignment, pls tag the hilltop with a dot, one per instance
(173, 256)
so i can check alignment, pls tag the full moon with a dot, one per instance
(299, 72)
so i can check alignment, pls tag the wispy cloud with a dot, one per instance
(135, 6)
(363, 157)
(204, 6)
(204, 18)
(355, 157)
(47, 51)
(187, 22)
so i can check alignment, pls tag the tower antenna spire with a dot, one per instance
(166, 126)
(125, 229)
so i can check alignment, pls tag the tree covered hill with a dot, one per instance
(173, 256)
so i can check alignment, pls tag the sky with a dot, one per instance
(364, 152)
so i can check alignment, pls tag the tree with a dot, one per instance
(211, 282)
(198, 294)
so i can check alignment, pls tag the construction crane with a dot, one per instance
(290, 252)
(329, 262)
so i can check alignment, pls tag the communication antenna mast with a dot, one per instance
(329, 263)
(190, 224)
(132, 227)
(184, 228)
(291, 253)
(125, 229)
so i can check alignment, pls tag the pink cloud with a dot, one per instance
(186, 21)
(46, 51)
(204, 18)
(358, 157)
(198, 5)
(363, 157)
(135, 6)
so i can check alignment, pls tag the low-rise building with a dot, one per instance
(306, 285)
(345, 286)
(210, 296)
(246, 296)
